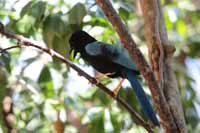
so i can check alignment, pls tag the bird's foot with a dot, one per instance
(100, 76)
(117, 88)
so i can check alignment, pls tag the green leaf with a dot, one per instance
(194, 49)
(45, 75)
(73, 103)
(30, 60)
(59, 44)
(55, 33)
(57, 106)
(168, 23)
(5, 60)
(46, 83)
(3, 80)
(77, 13)
(96, 118)
(104, 99)
(38, 9)
(3, 92)
(35, 10)
(107, 121)
(129, 96)
(26, 8)
(124, 14)
(54, 23)
(127, 6)
(25, 24)
(115, 123)
(97, 22)
(181, 27)
(48, 38)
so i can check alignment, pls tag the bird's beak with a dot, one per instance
(73, 52)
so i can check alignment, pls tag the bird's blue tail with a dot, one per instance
(146, 106)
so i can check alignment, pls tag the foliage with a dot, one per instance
(39, 83)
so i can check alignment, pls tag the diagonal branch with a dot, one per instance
(127, 41)
(27, 42)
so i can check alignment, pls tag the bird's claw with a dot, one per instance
(100, 75)
(117, 88)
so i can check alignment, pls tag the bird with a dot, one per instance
(106, 58)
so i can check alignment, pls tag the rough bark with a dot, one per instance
(160, 54)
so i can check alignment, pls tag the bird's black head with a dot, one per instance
(79, 39)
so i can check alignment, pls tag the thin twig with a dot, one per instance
(27, 42)
(9, 48)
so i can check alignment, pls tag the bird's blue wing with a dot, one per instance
(117, 54)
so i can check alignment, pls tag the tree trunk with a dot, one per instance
(160, 54)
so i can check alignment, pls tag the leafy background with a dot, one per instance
(43, 94)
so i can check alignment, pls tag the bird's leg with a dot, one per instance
(99, 76)
(117, 88)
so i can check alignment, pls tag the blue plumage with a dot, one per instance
(146, 106)
(106, 58)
